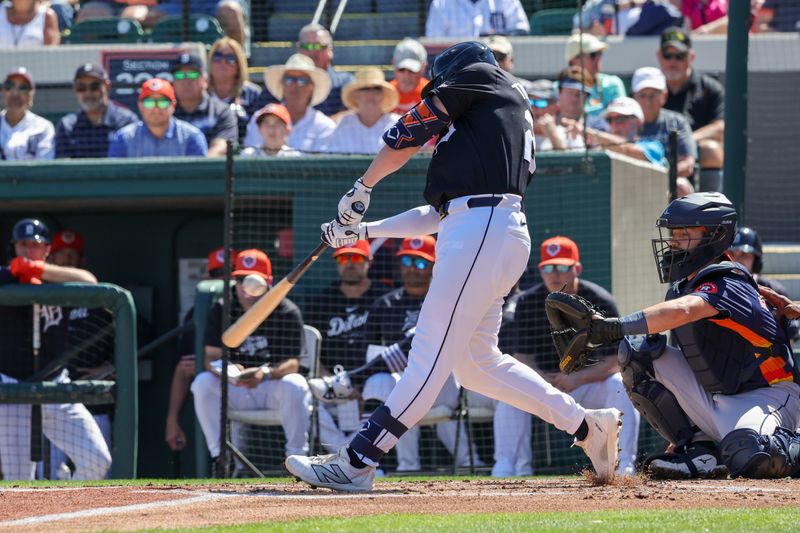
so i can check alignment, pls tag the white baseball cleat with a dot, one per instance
(332, 389)
(332, 471)
(602, 442)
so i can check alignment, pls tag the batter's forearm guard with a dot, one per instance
(416, 127)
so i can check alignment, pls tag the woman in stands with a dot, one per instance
(28, 23)
(228, 80)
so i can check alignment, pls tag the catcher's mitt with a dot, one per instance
(577, 328)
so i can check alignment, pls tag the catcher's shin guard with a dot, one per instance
(748, 454)
(653, 400)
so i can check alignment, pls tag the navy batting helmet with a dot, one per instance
(712, 212)
(747, 241)
(454, 59)
(30, 229)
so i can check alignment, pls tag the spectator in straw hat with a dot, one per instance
(299, 86)
(586, 51)
(371, 99)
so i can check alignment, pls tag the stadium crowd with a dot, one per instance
(307, 106)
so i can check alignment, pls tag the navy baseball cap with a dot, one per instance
(92, 70)
(187, 60)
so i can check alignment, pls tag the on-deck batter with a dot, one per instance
(477, 177)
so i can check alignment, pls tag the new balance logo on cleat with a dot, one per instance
(330, 474)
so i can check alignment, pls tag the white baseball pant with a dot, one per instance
(290, 395)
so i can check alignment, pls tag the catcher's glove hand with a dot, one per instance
(578, 328)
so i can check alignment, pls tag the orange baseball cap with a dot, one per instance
(67, 239)
(423, 246)
(559, 251)
(253, 261)
(216, 259)
(157, 86)
(278, 110)
(359, 248)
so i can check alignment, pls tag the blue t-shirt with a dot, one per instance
(77, 137)
(653, 151)
(181, 139)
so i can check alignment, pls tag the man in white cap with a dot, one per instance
(371, 99)
(586, 51)
(649, 88)
(625, 117)
(298, 85)
(408, 61)
(502, 50)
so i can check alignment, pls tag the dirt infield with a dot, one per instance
(129, 508)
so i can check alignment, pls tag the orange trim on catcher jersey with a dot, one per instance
(751, 336)
(774, 370)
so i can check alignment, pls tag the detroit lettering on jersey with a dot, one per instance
(488, 148)
(391, 316)
(342, 322)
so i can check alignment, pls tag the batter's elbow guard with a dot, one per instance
(416, 127)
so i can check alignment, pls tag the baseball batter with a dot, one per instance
(69, 426)
(477, 177)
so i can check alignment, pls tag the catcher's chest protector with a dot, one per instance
(724, 361)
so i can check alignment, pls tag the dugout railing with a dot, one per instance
(121, 389)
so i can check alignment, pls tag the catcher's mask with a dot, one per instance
(454, 59)
(748, 241)
(711, 211)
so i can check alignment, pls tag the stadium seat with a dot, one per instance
(286, 26)
(552, 22)
(202, 28)
(390, 26)
(106, 30)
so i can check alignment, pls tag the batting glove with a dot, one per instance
(354, 204)
(27, 271)
(338, 235)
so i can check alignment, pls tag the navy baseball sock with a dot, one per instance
(362, 449)
(583, 431)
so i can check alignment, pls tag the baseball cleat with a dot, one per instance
(696, 461)
(602, 443)
(332, 389)
(332, 471)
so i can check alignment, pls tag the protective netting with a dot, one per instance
(66, 354)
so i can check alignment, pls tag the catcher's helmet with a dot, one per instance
(454, 59)
(710, 210)
(748, 241)
(30, 229)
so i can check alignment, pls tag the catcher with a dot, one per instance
(727, 399)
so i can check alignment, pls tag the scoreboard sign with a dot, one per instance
(128, 69)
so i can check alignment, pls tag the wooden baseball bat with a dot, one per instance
(237, 332)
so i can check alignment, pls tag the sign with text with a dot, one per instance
(128, 69)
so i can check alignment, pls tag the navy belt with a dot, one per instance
(479, 201)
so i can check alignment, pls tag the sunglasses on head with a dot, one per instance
(300, 81)
(152, 103)
(680, 56)
(94, 87)
(312, 47)
(227, 58)
(417, 262)
(355, 259)
(549, 269)
(11, 86)
(538, 103)
(186, 75)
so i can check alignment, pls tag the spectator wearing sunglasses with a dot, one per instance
(371, 99)
(228, 81)
(159, 133)
(87, 132)
(586, 51)
(23, 134)
(194, 105)
(409, 61)
(700, 98)
(298, 85)
(316, 42)
(595, 386)
(547, 132)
